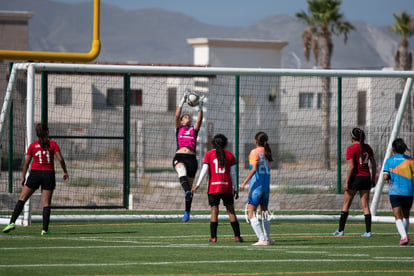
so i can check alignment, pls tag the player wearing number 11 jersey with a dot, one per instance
(220, 165)
(41, 153)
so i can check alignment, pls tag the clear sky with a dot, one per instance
(246, 12)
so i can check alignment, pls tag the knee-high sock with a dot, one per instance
(406, 223)
(342, 221)
(188, 200)
(18, 208)
(213, 229)
(400, 228)
(254, 222)
(46, 217)
(368, 222)
(266, 227)
(236, 228)
(184, 183)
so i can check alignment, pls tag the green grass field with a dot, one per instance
(176, 248)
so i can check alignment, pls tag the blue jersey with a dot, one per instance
(400, 168)
(261, 179)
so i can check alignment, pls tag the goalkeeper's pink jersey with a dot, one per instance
(219, 180)
(41, 159)
(186, 137)
(362, 167)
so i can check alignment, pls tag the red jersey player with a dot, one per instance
(220, 165)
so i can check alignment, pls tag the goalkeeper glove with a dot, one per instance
(200, 104)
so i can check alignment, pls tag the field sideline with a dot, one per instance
(176, 248)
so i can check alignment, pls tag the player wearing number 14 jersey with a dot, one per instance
(41, 153)
(220, 165)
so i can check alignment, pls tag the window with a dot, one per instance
(362, 108)
(319, 105)
(114, 97)
(135, 97)
(63, 96)
(172, 98)
(398, 97)
(305, 100)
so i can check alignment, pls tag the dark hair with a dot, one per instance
(220, 143)
(261, 138)
(42, 132)
(359, 135)
(399, 146)
(185, 114)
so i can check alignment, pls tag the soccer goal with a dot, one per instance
(115, 126)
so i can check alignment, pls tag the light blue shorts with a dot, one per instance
(258, 197)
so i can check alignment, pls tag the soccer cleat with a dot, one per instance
(238, 239)
(366, 235)
(338, 233)
(260, 242)
(45, 233)
(404, 241)
(9, 227)
(186, 216)
(212, 240)
(271, 242)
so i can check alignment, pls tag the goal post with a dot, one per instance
(88, 110)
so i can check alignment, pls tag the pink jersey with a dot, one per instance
(43, 160)
(219, 180)
(361, 168)
(186, 137)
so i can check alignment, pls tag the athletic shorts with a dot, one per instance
(258, 197)
(44, 179)
(190, 162)
(405, 202)
(214, 199)
(359, 183)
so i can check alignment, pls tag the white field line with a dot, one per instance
(207, 262)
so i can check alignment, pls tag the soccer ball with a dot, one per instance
(193, 99)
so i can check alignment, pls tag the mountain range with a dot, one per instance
(156, 36)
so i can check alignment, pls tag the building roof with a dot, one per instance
(15, 15)
(237, 43)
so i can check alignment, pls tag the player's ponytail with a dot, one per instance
(42, 132)
(262, 138)
(219, 143)
(399, 146)
(359, 135)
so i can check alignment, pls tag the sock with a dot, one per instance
(17, 210)
(213, 229)
(266, 227)
(184, 183)
(236, 228)
(368, 222)
(46, 218)
(254, 222)
(342, 220)
(188, 200)
(400, 228)
(406, 223)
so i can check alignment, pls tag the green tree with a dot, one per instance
(403, 58)
(324, 20)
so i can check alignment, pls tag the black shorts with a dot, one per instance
(405, 202)
(190, 162)
(44, 179)
(359, 183)
(214, 199)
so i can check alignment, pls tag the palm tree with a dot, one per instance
(403, 58)
(323, 20)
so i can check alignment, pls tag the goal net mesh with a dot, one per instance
(86, 114)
